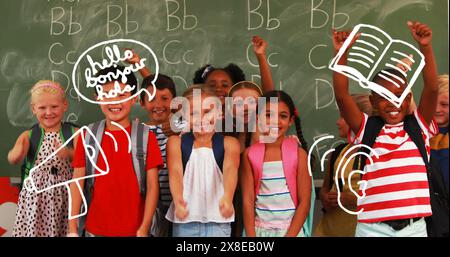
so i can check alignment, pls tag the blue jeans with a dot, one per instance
(198, 229)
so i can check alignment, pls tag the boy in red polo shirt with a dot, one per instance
(117, 206)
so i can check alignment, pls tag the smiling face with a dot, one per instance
(246, 103)
(277, 121)
(117, 112)
(49, 109)
(202, 120)
(441, 115)
(386, 110)
(158, 108)
(221, 82)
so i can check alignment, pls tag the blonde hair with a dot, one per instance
(443, 84)
(46, 86)
(204, 90)
(245, 85)
(363, 103)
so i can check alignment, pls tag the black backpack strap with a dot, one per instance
(36, 136)
(67, 130)
(334, 155)
(187, 142)
(218, 149)
(371, 131)
(414, 131)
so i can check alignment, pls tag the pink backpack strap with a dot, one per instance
(256, 158)
(289, 151)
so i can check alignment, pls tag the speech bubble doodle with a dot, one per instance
(374, 50)
(114, 56)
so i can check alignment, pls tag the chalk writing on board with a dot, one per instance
(189, 21)
(113, 26)
(270, 24)
(185, 56)
(324, 97)
(316, 11)
(366, 55)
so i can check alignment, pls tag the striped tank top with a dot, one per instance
(274, 207)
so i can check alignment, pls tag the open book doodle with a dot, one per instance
(373, 51)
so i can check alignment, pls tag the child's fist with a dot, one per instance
(134, 59)
(64, 153)
(339, 38)
(142, 232)
(181, 211)
(259, 45)
(420, 32)
(226, 207)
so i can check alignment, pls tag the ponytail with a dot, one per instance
(302, 140)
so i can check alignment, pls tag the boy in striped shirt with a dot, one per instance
(158, 110)
(397, 194)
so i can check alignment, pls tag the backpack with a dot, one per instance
(438, 222)
(139, 141)
(333, 159)
(290, 162)
(36, 136)
(187, 142)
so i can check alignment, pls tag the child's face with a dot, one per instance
(386, 110)
(117, 112)
(248, 106)
(278, 121)
(49, 109)
(342, 127)
(202, 120)
(158, 108)
(221, 82)
(441, 114)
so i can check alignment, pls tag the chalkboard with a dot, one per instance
(41, 39)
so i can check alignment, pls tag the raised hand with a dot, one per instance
(339, 38)
(259, 45)
(420, 32)
(134, 59)
(20, 149)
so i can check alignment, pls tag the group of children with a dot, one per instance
(204, 182)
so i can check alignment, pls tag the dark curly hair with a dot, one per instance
(235, 72)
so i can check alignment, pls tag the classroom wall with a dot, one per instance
(42, 39)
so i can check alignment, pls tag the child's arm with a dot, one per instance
(145, 72)
(230, 175)
(304, 195)
(428, 101)
(248, 195)
(329, 199)
(151, 200)
(66, 152)
(259, 47)
(76, 199)
(175, 168)
(350, 112)
(20, 149)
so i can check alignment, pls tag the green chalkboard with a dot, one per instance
(41, 39)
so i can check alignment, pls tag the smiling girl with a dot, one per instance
(44, 214)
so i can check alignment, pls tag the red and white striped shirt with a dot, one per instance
(397, 183)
